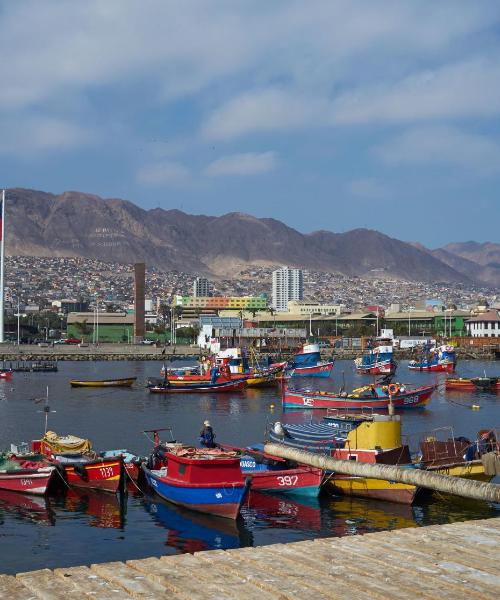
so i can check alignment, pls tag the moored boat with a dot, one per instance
(367, 397)
(488, 384)
(166, 387)
(208, 481)
(123, 382)
(367, 438)
(442, 358)
(25, 476)
(307, 363)
(378, 360)
(82, 466)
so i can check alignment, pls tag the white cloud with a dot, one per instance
(263, 110)
(242, 164)
(466, 89)
(28, 136)
(429, 146)
(164, 173)
(368, 188)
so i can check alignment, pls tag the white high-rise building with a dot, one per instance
(288, 284)
(201, 287)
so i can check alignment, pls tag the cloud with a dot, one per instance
(242, 164)
(164, 173)
(29, 136)
(465, 89)
(368, 188)
(430, 146)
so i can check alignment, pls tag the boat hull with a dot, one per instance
(126, 382)
(374, 489)
(252, 379)
(324, 370)
(104, 475)
(219, 500)
(469, 385)
(207, 388)
(439, 368)
(27, 481)
(304, 481)
(382, 369)
(467, 470)
(317, 400)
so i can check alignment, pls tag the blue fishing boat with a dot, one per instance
(308, 363)
(378, 360)
(207, 481)
(442, 358)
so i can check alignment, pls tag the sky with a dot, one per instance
(331, 114)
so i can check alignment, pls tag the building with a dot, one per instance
(202, 287)
(191, 306)
(102, 327)
(302, 307)
(67, 306)
(484, 325)
(288, 284)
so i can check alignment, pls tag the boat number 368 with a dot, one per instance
(287, 480)
(411, 399)
(106, 472)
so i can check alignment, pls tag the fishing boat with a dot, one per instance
(308, 363)
(442, 358)
(373, 397)
(442, 452)
(25, 476)
(123, 382)
(166, 387)
(484, 384)
(81, 465)
(274, 474)
(5, 373)
(370, 438)
(207, 481)
(378, 360)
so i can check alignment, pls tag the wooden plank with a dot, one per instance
(137, 585)
(13, 589)
(288, 583)
(87, 582)
(186, 582)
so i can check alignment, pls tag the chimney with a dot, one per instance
(139, 285)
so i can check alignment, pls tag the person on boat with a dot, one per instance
(207, 436)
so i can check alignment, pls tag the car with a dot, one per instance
(73, 341)
(59, 342)
(43, 344)
(147, 342)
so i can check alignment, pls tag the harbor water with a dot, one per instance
(82, 527)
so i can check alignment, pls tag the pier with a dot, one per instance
(451, 561)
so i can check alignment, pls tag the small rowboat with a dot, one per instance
(26, 476)
(487, 384)
(124, 382)
(200, 388)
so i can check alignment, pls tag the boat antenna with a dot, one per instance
(46, 408)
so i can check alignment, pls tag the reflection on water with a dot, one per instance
(38, 529)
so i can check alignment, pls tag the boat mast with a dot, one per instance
(2, 248)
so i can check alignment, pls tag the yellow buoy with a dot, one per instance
(475, 407)
(271, 406)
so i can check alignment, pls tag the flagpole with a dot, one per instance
(1, 269)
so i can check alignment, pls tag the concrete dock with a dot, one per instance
(454, 561)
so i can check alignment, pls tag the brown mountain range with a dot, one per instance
(78, 224)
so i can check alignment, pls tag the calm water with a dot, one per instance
(84, 527)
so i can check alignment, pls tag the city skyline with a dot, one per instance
(331, 116)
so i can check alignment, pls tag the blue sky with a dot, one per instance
(326, 115)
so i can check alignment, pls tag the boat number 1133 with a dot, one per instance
(287, 480)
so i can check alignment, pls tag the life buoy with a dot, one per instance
(393, 389)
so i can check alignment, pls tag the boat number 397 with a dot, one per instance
(287, 480)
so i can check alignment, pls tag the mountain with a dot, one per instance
(475, 260)
(78, 224)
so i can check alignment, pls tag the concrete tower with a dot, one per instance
(139, 286)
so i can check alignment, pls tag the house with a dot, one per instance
(486, 324)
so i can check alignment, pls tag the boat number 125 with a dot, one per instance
(287, 480)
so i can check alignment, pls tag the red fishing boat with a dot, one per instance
(82, 467)
(369, 396)
(25, 476)
(485, 384)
